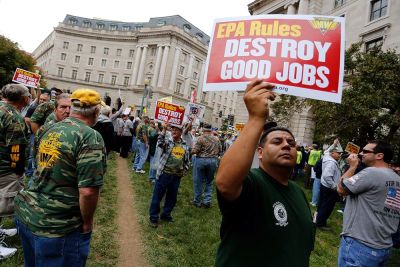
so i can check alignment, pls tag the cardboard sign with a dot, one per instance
(167, 99)
(352, 148)
(239, 126)
(26, 77)
(194, 112)
(127, 111)
(302, 55)
(173, 114)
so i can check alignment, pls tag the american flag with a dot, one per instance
(393, 198)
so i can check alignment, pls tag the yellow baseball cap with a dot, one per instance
(85, 98)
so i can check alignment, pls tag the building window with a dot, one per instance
(153, 51)
(187, 27)
(128, 65)
(378, 9)
(100, 26)
(126, 28)
(178, 87)
(119, 52)
(103, 62)
(106, 49)
(79, 47)
(194, 76)
(185, 57)
(339, 3)
(101, 78)
(65, 45)
(116, 64)
(90, 61)
(199, 36)
(92, 49)
(373, 43)
(77, 59)
(87, 76)
(63, 56)
(131, 52)
(126, 81)
(197, 64)
(203, 97)
(113, 27)
(73, 21)
(113, 79)
(60, 72)
(138, 27)
(181, 70)
(74, 74)
(161, 23)
(87, 24)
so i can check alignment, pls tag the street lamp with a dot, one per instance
(145, 91)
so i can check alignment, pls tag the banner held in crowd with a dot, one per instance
(194, 112)
(26, 78)
(166, 112)
(302, 55)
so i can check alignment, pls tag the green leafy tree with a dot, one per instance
(11, 57)
(370, 107)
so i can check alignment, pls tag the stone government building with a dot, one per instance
(119, 58)
(372, 22)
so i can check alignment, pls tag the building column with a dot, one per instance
(136, 65)
(163, 66)
(174, 68)
(188, 77)
(291, 10)
(303, 7)
(142, 66)
(200, 84)
(157, 66)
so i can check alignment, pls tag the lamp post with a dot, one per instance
(146, 84)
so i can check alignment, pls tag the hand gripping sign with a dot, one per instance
(166, 112)
(26, 77)
(302, 55)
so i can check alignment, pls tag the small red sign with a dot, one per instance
(173, 114)
(26, 77)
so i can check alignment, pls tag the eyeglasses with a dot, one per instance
(365, 151)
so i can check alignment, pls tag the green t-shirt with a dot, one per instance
(42, 112)
(174, 164)
(70, 155)
(50, 119)
(314, 156)
(13, 137)
(268, 225)
(141, 130)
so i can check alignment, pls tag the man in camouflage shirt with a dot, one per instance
(174, 161)
(142, 142)
(55, 215)
(14, 138)
(207, 149)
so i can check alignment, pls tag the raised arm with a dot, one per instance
(236, 162)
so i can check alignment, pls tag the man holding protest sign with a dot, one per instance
(266, 218)
(174, 161)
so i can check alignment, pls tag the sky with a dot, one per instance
(29, 22)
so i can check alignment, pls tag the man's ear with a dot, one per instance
(379, 156)
(259, 152)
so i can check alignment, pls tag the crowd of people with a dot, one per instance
(58, 143)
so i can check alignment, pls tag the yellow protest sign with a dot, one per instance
(352, 148)
(239, 126)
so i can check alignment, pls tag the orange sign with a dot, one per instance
(239, 126)
(352, 148)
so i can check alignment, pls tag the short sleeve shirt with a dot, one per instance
(270, 224)
(70, 155)
(175, 160)
(13, 137)
(372, 210)
(42, 112)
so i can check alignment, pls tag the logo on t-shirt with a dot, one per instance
(178, 152)
(280, 214)
(393, 198)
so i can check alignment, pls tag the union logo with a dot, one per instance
(48, 151)
(324, 24)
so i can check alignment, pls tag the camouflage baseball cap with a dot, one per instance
(85, 98)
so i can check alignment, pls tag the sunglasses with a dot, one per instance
(365, 151)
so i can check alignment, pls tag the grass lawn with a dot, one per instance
(193, 238)
(104, 248)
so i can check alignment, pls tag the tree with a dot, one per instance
(11, 57)
(370, 107)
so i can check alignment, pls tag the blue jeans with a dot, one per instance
(315, 191)
(152, 172)
(141, 155)
(205, 170)
(354, 253)
(167, 185)
(69, 250)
